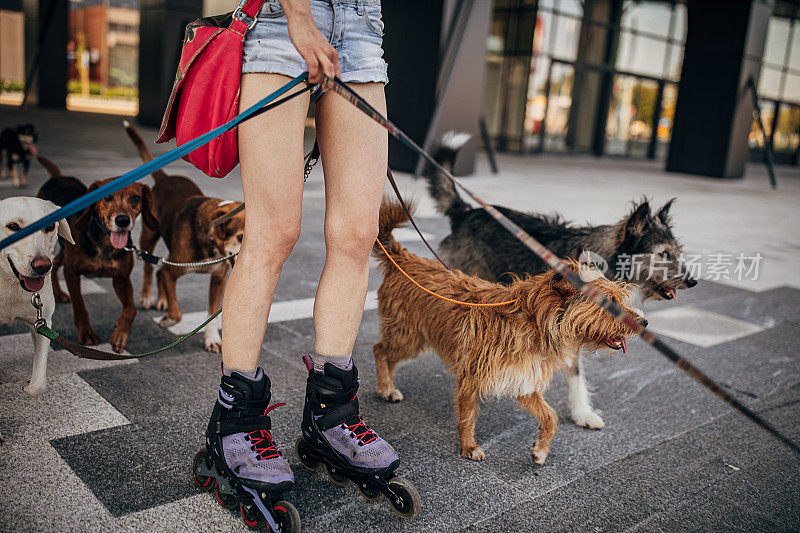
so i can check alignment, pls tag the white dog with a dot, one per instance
(25, 268)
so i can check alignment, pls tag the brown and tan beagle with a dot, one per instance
(101, 233)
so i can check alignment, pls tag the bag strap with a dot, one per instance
(248, 11)
(252, 7)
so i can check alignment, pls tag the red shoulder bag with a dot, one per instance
(206, 89)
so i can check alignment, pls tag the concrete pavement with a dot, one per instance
(109, 446)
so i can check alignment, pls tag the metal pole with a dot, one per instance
(767, 146)
(487, 143)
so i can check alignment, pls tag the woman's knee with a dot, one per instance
(351, 238)
(271, 246)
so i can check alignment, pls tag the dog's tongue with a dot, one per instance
(119, 239)
(32, 284)
(674, 293)
(33, 150)
(624, 346)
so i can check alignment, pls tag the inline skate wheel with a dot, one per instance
(286, 516)
(304, 454)
(369, 493)
(206, 483)
(335, 475)
(227, 501)
(405, 499)
(252, 517)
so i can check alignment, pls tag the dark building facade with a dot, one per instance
(659, 79)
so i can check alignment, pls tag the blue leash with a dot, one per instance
(142, 171)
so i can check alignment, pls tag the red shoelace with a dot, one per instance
(366, 436)
(263, 437)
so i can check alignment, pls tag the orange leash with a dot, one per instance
(470, 304)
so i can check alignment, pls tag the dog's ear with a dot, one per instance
(149, 209)
(638, 219)
(220, 229)
(82, 221)
(64, 231)
(663, 213)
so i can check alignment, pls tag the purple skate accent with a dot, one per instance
(377, 453)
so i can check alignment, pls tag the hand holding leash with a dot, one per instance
(321, 57)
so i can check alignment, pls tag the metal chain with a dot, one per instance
(159, 261)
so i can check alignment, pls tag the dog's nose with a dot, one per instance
(122, 221)
(690, 282)
(644, 322)
(41, 265)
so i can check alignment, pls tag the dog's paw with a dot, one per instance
(34, 390)
(393, 395)
(214, 346)
(539, 455)
(474, 453)
(88, 337)
(166, 322)
(162, 304)
(147, 300)
(118, 341)
(588, 419)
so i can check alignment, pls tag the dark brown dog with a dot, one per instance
(101, 232)
(186, 216)
(505, 350)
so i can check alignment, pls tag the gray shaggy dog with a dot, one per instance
(640, 248)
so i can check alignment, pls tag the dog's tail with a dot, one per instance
(392, 215)
(442, 190)
(51, 167)
(141, 146)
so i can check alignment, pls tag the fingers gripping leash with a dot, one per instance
(587, 289)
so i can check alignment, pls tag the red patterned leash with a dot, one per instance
(587, 289)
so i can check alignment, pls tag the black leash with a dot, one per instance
(587, 289)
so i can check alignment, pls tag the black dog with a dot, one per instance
(18, 147)
(640, 248)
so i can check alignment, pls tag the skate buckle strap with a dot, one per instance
(243, 425)
(333, 416)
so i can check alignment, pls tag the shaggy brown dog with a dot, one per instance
(508, 350)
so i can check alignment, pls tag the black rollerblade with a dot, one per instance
(241, 463)
(336, 438)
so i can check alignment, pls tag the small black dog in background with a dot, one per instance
(18, 147)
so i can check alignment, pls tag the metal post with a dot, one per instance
(487, 144)
(767, 145)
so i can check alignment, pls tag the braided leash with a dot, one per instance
(587, 289)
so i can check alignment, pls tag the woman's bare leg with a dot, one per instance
(354, 156)
(271, 156)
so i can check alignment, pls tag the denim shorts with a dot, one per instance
(353, 27)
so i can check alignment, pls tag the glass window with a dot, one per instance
(641, 55)
(791, 88)
(675, 63)
(558, 106)
(665, 120)
(679, 23)
(787, 130)
(572, 7)
(794, 49)
(756, 138)
(769, 83)
(647, 17)
(567, 32)
(630, 116)
(777, 39)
